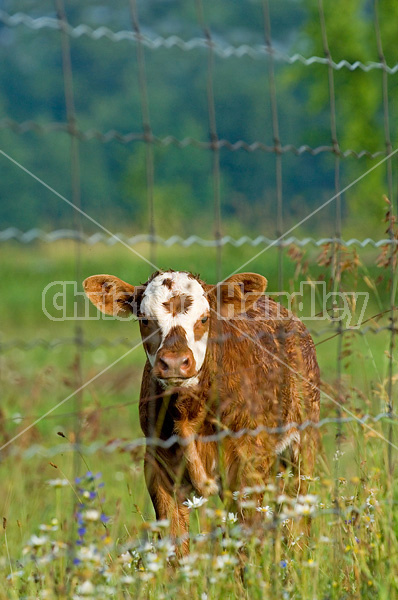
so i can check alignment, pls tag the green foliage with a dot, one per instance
(107, 96)
(358, 96)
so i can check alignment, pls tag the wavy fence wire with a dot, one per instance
(210, 48)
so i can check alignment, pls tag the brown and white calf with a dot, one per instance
(219, 359)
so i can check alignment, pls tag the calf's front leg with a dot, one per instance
(166, 501)
(203, 483)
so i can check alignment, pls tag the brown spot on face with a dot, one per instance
(178, 304)
(176, 339)
(200, 328)
(168, 283)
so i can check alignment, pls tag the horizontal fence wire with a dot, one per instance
(32, 235)
(220, 48)
(123, 341)
(170, 140)
(121, 445)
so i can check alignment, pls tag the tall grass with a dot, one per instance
(97, 538)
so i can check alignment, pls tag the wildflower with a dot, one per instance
(37, 541)
(283, 498)
(85, 589)
(15, 574)
(202, 537)
(308, 499)
(161, 524)
(224, 560)
(153, 562)
(283, 564)
(45, 527)
(248, 504)
(195, 502)
(304, 509)
(125, 558)
(284, 474)
(91, 515)
(231, 543)
(167, 546)
(127, 579)
(338, 454)
(255, 489)
(88, 554)
(188, 573)
(145, 547)
(57, 483)
(190, 559)
(265, 509)
(371, 501)
(146, 576)
(369, 520)
(231, 518)
(324, 539)
(311, 562)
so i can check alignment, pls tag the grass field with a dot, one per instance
(52, 547)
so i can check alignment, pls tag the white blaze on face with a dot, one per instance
(157, 294)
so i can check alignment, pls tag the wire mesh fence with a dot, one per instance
(221, 49)
(334, 258)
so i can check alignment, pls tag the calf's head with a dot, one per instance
(175, 310)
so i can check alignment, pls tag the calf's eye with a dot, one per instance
(204, 319)
(144, 321)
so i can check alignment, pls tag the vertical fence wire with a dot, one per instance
(214, 141)
(77, 217)
(391, 221)
(216, 177)
(277, 541)
(276, 137)
(387, 135)
(336, 265)
(146, 127)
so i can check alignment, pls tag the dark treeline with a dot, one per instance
(107, 96)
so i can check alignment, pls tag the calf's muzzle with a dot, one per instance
(170, 364)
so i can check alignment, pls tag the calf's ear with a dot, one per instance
(111, 295)
(238, 293)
